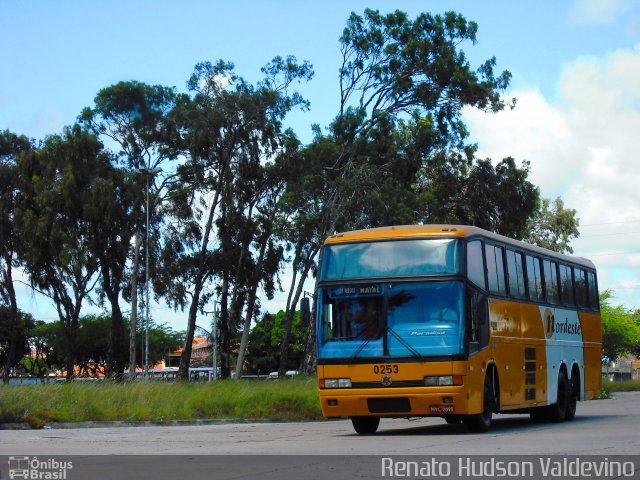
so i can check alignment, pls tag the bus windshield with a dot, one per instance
(391, 259)
(404, 319)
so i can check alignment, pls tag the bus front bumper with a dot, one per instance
(397, 402)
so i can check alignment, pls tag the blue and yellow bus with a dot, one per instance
(454, 322)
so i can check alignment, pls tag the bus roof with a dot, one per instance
(447, 231)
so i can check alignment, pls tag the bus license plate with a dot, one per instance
(441, 409)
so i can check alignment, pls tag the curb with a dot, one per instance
(145, 423)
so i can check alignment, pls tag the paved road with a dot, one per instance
(605, 427)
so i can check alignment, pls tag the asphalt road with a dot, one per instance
(603, 427)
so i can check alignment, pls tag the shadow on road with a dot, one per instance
(501, 424)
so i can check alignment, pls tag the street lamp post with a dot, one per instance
(214, 334)
(148, 172)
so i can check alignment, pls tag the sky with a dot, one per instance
(575, 67)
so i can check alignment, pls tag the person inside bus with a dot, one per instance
(365, 319)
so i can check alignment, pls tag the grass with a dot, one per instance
(287, 400)
(622, 386)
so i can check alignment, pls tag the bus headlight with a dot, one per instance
(337, 383)
(443, 380)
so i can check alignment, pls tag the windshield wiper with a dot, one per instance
(405, 344)
(360, 348)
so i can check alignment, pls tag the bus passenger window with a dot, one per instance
(534, 277)
(516, 274)
(551, 281)
(566, 285)
(581, 288)
(475, 264)
(592, 288)
(495, 269)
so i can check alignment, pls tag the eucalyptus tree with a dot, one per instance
(135, 117)
(402, 75)
(224, 206)
(12, 147)
(113, 212)
(54, 230)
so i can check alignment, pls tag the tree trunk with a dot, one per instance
(201, 275)
(13, 312)
(288, 317)
(250, 306)
(225, 340)
(185, 358)
(116, 360)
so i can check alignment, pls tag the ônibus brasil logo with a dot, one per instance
(32, 468)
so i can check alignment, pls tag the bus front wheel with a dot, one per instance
(365, 425)
(481, 422)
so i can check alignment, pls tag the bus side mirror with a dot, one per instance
(305, 311)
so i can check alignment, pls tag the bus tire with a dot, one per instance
(481, 422)
(538, 414)
(453, 419)
(365, 425)
(574, 393)
(558, 411)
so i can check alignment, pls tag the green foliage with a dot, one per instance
(552, 226)
(604, 392)
(265, 339)
(92, 345)
(620, 328)
(14, 337)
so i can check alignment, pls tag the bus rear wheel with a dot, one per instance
(481, 422)
(558, 411)
(574, 393)
(365, 425)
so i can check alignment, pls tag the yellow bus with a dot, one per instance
(455, 322)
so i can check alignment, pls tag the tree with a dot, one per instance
(620, 328)
(112, 213)
(136, 117)
(54, 231)
(224, 206)
(264, 343)
(14, 339)
(553, 227)
(46, 344)
(11, 148)
(403, 84)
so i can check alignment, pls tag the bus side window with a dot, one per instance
(516, 274)
(566, 285)
(581, 288)
(475, 264)
(534, 278)
(551, 281)
(495, 269)
(592, 288)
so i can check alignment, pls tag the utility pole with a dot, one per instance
(214, 335)
(148, 172)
